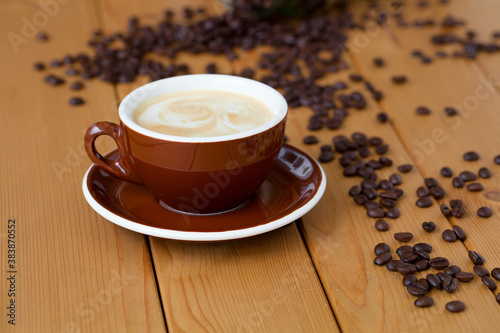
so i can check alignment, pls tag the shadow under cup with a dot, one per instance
(198, 175)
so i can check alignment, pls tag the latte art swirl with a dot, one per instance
(202, 113)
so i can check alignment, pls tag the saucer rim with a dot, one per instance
(208, 236)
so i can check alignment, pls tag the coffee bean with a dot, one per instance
(409, 257)
(54, 80)
(497, 159)
(452, 270)
(355, 77)
(468, 176)
(495, 273)
(405, 269)
(399, 79)
(426, 60)
(439, 263)
(409, 279)
(498, 298)
(481, 271)
(457, 208)
(422, 110)
(381, 248)
(382, 149)
(476, 258)
(458, 182)
(434, 281)
(416, 289)
(391, 265)
(431, 182)
(355, 190)
(389, 194)
(387, 162)
(446, 172)
(404, 249)
(405, 168)
(450, 111)
(424, 202)
(42, 36)
(484, 212)
(489, 282)
(76, 101)
(396, 179)
(459, 232)
(445, 210)
(372, 204)
(375, 212)
(39, 66)
(442, 275)
(393, 213)
(422, 191)
(449, 236)
(471, 156)
(422, 265)
(382, 117)
(77, 85)
(382, 259)
(388, 203)
(379, 62)
(484, 173)
(422, 247)
(429, 226)
(450, 284)
(326, 156)
(403, 236)
(455, 306)
(475, 187)
(464, 276)
(370, 193)
(310, 139)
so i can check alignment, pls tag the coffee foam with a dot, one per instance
(202, 113)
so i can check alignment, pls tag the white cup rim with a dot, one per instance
(261, 91)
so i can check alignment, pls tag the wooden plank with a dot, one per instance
(75, 271)
(266, 283)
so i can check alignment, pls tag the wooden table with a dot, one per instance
(76, 272)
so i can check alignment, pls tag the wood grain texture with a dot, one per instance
(75, 271)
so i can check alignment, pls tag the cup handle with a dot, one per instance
(123, 166)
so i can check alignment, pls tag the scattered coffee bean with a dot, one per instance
(455, 306)
(379, 62)
(457, 208)
(419, 288)
(39, 66)
(497, 159)
(424, 202)
(423, 192)
(391, 265)
(382, 117)
(355, 77)
(399, 79)
(382, 259)
(422, 247)
(442, 276)
(310, 139)
(393, 213)
(450, 284)
(72, 72)
(375, 212)
(326, 156)
(403, 236)
(387, 162)
(446, 172)
(481, 271)
(449, 111)
(381, 225)
(484, 212)
(42, 36)
(405, 269)
(439, 263)
(76, 85)
(459, 232)
(409, 279)
(445, 210)
(476, 258)
(434, 281)
(471, 156)
(422, 265)
(437, 192)
(409, 257)
(449, 236)
(498, 298)
(422, 110)
(452, 270)
(405, 168)
(431, 182)
(458, 182)
(464, 276)
(489, 282)
(381, 248)
(54, 80)
(382, 149)
(429, 226)
(404, 249)
(76, 101)
(484, 173)
(468, 176)
(426, 60)
(475, 187)
(396, 179)
(495, 273)
(326, 147)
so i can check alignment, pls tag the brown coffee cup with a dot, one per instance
(194, 175)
